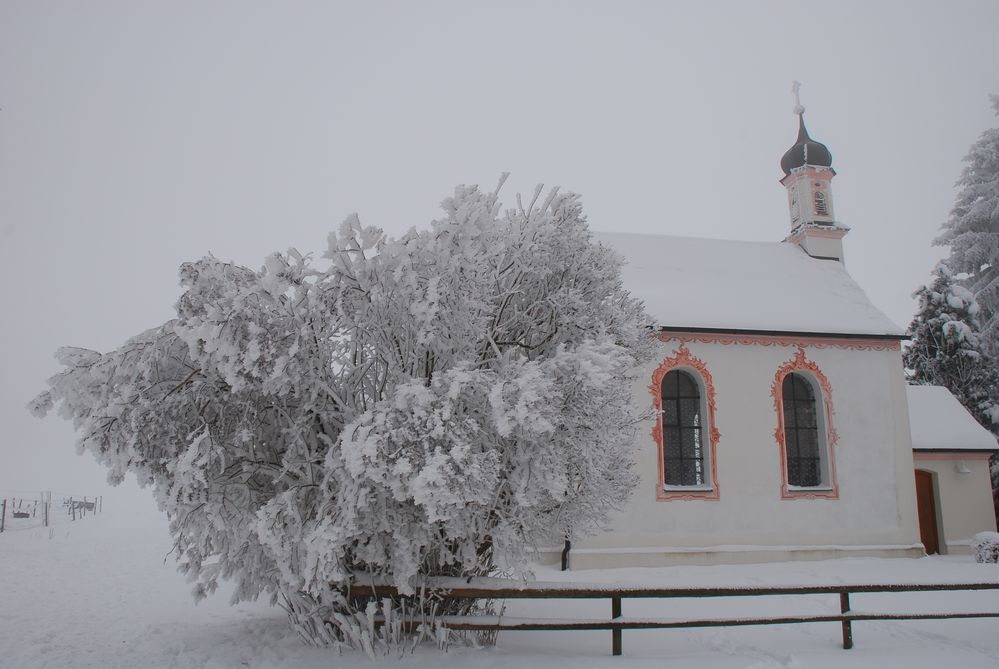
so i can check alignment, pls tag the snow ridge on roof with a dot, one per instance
(735, 285)
(939, 422)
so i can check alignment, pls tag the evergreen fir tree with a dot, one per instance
(947, 351)
(972, 231)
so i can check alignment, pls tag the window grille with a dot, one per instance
(683, 434)
(821, 208)
(801, 432)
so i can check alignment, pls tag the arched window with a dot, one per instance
(801, 432)
(685, 435)
(821, 208)
(683, 431)
(805, 435)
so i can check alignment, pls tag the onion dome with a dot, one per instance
(806, 151)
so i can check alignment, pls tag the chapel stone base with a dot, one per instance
(593, 558)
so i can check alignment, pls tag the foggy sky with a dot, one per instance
(135, 136)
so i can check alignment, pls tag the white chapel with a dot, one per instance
(780, 418)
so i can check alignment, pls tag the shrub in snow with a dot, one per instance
(985, 546)
(429, 405)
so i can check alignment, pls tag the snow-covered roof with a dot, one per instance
(939, 422)
(732, 285)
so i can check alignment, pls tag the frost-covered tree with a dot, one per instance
(972, 231)
(946, 350)
(946, 347)
(435, 404)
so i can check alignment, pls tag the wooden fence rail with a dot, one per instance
(450, 589)
(20, 508)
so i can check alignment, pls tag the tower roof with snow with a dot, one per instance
(768, 287)
(806, 151)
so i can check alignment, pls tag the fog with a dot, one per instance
(135, 136)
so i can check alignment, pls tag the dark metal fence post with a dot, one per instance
(616, 633)
(844, 607)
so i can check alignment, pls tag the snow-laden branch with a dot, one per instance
(430, 405)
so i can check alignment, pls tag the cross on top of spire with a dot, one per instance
(795, 87)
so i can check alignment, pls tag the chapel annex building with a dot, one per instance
(781, 413)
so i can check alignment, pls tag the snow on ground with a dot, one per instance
(102, 592)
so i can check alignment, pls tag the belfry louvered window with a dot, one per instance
(821, 208)
(683, 431)
(802, 436)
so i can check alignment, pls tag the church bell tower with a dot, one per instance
(808, 175)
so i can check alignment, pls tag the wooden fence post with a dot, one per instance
(616, 633)
(46, 505)
(3, 515)
(100, 503)
(72, 508)
(844, 607)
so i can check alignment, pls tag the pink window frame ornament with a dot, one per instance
(683, 360)
(800, 364)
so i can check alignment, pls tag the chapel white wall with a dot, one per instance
(875, 512)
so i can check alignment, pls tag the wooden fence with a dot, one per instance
(38, 510)
(617, 622)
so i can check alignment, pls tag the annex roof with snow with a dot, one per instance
(691, 283)
(939, 422)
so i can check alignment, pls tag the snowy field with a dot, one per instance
(102, 592)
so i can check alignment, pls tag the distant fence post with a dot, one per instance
(100, 503)
(3, 515)
(72, 509)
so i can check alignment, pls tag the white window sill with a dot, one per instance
(814, 488)
(688, 488)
